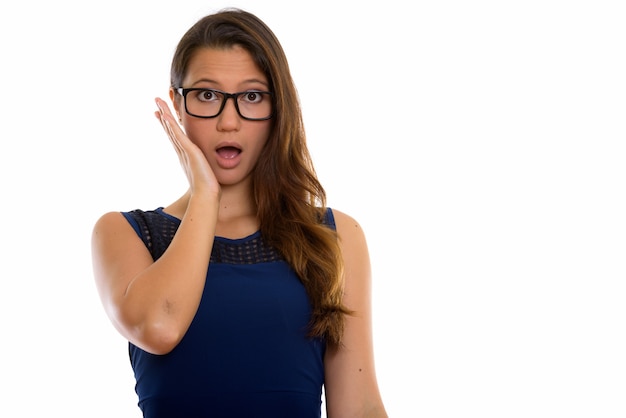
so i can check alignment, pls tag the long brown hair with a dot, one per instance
(290, 200)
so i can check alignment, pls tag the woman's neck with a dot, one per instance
(237, 213)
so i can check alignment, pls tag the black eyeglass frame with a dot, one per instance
(183, 92)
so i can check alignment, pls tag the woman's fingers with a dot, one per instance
(168, 130)
(193, 161)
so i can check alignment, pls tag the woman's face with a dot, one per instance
(231, 144)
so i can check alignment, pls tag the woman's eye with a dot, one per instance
(252, 97)
(207, 96)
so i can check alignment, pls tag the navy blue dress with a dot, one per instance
(246, 353)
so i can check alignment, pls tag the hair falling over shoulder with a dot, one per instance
(290, 199)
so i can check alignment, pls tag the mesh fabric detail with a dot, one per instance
(157, 231)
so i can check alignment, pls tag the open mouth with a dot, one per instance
(228, 152)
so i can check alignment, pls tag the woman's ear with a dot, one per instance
(176, 101)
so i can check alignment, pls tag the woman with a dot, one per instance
(247, 295)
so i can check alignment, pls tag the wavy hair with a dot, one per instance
(290, 200)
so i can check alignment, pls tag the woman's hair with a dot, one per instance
(290, 200)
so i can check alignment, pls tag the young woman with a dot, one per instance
(247, 295)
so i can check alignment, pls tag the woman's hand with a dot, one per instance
(197, 169)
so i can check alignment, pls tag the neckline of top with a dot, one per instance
(161, 211)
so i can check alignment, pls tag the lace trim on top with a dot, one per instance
(157, 228)
(250, 250)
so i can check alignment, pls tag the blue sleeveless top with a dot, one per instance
(246, 353)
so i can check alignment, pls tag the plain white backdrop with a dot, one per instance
(480, 145)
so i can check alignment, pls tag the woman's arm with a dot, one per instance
(351, 386)
(152, 303)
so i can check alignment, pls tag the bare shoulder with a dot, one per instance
(117, 250)
(355, 253)
(351, 236)
(111, 227)
(109, 220)
(347, 226)
(112, 232)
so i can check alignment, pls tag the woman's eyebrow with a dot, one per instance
(248, 81)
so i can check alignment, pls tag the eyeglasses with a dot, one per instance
(209, 103)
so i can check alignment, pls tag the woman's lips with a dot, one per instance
(228, 152)
(228, 156)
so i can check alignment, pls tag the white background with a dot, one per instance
(479, 143)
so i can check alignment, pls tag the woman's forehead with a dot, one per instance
(223, 66)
